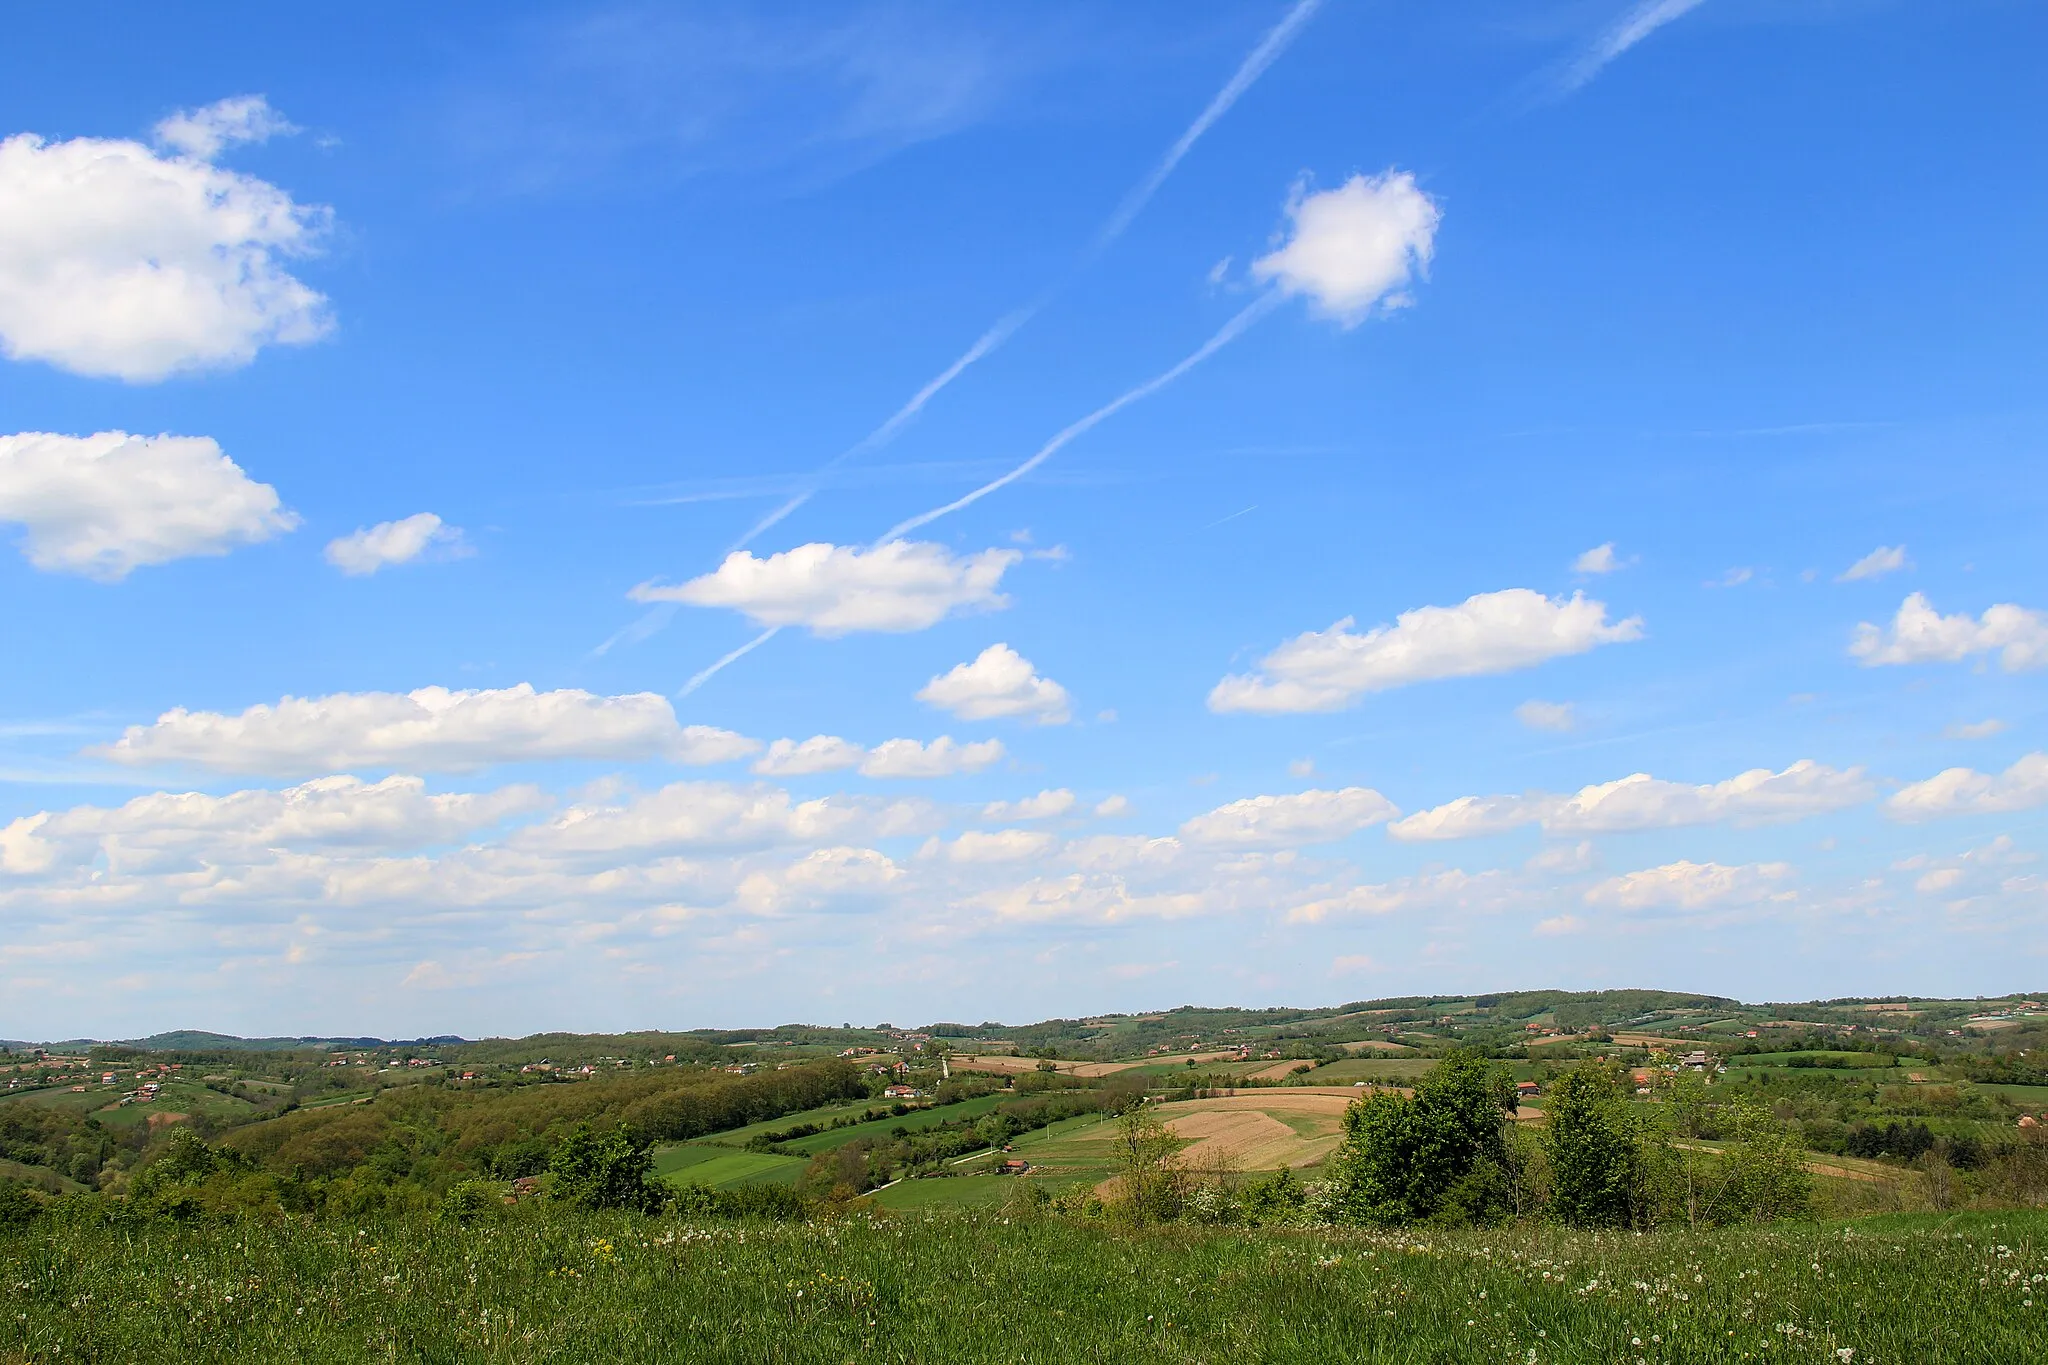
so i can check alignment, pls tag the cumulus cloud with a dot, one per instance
(999, 683)
(1879, 562)
(370, 548)
(1310, 817)
(1547, 715)
(1965, 791)
(1355, 248)
(1977, 729)
(824, 878)
(719, 815)
(106, 504)
(940, 758)
(168, 831)
(1640, 801)
(995, 846)
(1496, 632)
(1558, 925)
(1919, 634)
(1599, 559)
(431, 729)
(836, 589)
(1693, 886)
(818, 754)
(205, 133)
(1452, 889)
(119, 262)
(1110, 807)
(1046, 805)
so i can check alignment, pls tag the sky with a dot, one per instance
(527, 517)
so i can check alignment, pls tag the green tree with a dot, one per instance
(607, 1172)
(1606, 1158)
(1764, 1169)
(1441, 1155)
(1152, 1185)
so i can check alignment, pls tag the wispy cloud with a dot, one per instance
(1643, 18)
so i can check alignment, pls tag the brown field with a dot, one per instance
(1279, 1071)
(1376, 1045)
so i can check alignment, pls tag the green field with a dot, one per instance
(1845, 1060)
(881, 1129)
(1392, 1070)
(951, 1192)
(722, 1168)
(538, 1283)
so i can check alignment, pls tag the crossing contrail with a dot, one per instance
(1229, 332)
(1226, 334)
(1248, 72)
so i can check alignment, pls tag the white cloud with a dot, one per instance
(1045, 806)
(996, 846)
(818, 754)
(1919, 634)
(169, 831)
(1310, 817)
(1560, 924)
(1121, 852)
(821, 879)
(106, 504)
(432, 729)
(1879, 562)
(940, 758)
(1642, 802)
(1099, 899)
(1547, 715)
(1599, 559)
(1980, 729)
(369, 549)
(1692, 886)
(204, 133)
(1496, 632)
(1965, 791)
(714, 815)
(1356, 247)
(1732, 578)
(1558, 858)
(998, 683)
(1302, 767)
(1448, 890)
(835, 589)
(1109, 807)
(118, 262)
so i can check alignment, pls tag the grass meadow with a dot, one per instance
(542, 1283)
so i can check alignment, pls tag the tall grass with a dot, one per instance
(547, 1284)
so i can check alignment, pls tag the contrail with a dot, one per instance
(885, 433)
(1229, 332)
(1254, 66)
(1639, 23)
(704, 675)
(1264, 55)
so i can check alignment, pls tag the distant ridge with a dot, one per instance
(199, 1040)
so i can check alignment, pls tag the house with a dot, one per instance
(1524, 1089)
(1014, 1166)
(1696, 1061)
(900, 1092)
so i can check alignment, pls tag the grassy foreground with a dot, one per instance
(540, 1284)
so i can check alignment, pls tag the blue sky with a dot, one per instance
(1567, 510)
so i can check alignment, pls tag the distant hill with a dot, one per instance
(199, 1040)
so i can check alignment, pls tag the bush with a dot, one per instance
(18, 1208)
(608, 1172)
(468, 1199)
